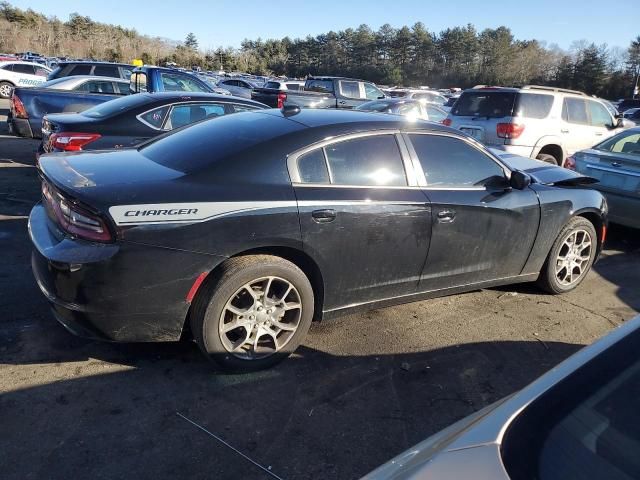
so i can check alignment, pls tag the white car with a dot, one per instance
(21, 74)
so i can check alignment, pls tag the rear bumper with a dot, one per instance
(20, 127)
(116, 292)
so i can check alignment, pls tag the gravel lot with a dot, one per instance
(362, 389)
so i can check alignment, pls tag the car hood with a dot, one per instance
(541, 172)
(108, 177)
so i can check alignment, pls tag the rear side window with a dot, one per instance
(123, 88)
(322, 86)
(574, 110)
(485, 104)
(96, 86)
(106, 71)
(373, 160)
(80, 70)
(8, 67)
(349, 89)
(452, 163)
(182, 115)
(155, 118)
(244, 108)
(533, 105)
(25, 69)
(313, 167)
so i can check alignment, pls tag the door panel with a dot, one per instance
(370, 243)
(479, 235)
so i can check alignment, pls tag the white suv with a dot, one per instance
(21, 74)
(545, 123)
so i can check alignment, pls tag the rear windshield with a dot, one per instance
(483, 103)
(110, 108)
(272, 85)
(196, 146)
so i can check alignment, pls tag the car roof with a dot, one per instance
(356, 119)
(92, 77)
(92, 62)
(21, 62)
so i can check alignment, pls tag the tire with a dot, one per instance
(229, 289)
(6, 88)
(556, 271)
(545, 157)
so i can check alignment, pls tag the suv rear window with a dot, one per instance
(482, 103)
(80, 70)
(533, 105)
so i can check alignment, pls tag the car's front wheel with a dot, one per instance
(253, 313)
(570, 258)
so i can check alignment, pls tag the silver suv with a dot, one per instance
(545, 123)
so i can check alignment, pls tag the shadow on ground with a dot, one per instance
(314, 416)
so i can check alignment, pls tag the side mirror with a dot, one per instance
(519, 180)
(381, 97)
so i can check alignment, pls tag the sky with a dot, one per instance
(226, 23)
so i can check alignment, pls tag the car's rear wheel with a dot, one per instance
(253, 313)
(5, 89)
(545, 157)
(570, 258)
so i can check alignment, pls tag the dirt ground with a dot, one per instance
(361, 389)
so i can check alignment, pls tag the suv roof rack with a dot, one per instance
(554, 89)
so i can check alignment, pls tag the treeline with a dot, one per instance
(412, 56)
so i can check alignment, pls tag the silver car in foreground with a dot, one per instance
(578, 421)
(615, 163)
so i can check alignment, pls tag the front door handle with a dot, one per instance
(565, 130)
(323, 216)
(342, 102)
(446, 216)
(599, 134)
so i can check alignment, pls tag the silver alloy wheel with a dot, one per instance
(573, 257)
(5, 90)
(260, 318)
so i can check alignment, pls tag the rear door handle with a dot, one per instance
(323, 216)
(599, 134)
(446, 216)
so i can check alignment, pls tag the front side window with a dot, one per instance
(372, 92)
(374, 161)
(600, 116)
(450, 162)
(626, 142)
(409, 110)
(574, 110)
(533, 105)
(349, 89)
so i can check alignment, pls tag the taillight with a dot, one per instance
(509, 130)
(282, 97)
(17, 107)
(447, 122)
(570, 163)
(74, 219)
(71, 141)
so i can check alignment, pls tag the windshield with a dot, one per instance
(482, 103)
(113, 107)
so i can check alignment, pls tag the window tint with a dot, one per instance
(80, 70)
(173, 82)
(313, 168)
(485, 104)
(599, 115)
(372, 160)
(155, 117)
(574, 110)
(323, 86)
(626, 142)
(349, 89)
(106, 71)
(372, 92)
(451, 162)
(25, 69)
(96, 86)
(533, 105)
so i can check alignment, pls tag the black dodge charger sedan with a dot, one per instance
(241, 230)
(134, 119)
